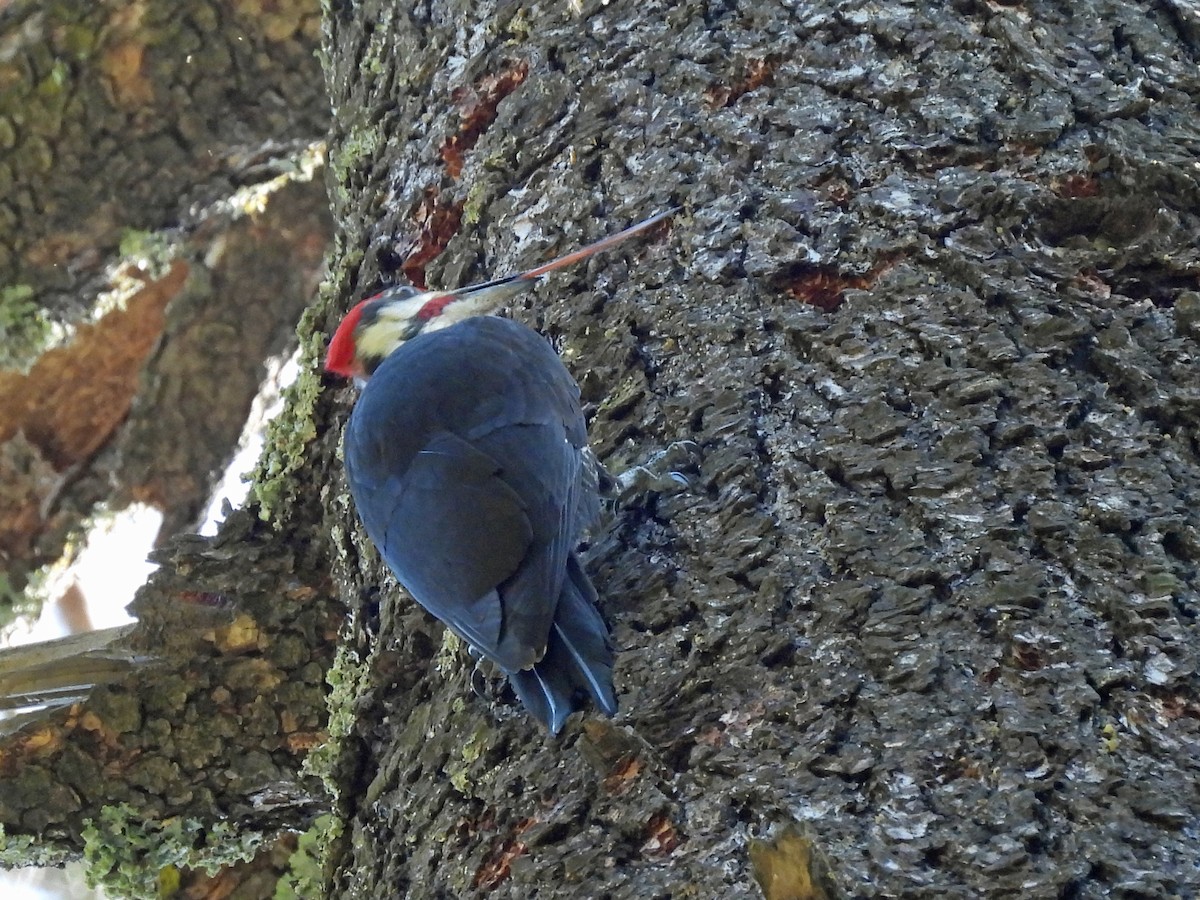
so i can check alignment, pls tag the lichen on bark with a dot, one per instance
(929, 318)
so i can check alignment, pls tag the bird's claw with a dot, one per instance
(661, 472)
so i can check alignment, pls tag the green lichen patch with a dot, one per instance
(151, 252)
(303, 879)
(24, 850)
(348, 677)
(130, 856)
(360, 145)
(467, 778)
(292, 430)
(25, 331)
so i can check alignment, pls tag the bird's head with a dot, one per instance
(379, 325)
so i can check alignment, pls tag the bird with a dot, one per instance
(467, 459)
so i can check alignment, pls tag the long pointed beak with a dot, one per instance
(495, 292)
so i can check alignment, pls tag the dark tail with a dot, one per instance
(578, 660)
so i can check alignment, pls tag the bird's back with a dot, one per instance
(466, 456)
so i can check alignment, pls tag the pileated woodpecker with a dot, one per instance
(467, 459)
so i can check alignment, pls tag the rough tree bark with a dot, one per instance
(930, 318)
(121, 115)
(145, 150)
(155, 203)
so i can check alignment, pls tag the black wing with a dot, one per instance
(464, 456)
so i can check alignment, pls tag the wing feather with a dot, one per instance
(466, 459)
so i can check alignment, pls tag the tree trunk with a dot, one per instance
(156, 217)
(930, 318)
(928, 604)
(131, 114)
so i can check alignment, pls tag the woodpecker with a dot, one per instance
(467, 459)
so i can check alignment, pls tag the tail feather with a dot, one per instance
(583, 632)
(578, 659)
(547, 689)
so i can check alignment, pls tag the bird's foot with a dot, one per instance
(487, 681)
(662, 473)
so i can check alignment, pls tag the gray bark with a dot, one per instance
(931, 318)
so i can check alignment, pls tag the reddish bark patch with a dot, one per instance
(478, 110)
(206, 598)
(1175, 707)
(498, 866)
(69, 406)
(825, 287)
(758, 72)
(625, 773)
(1076, 186)
(1027, 657)
(436, 223)
(123, 60)
(822, 287)
(76, 395)
(1091, 283)
(660, 836)
(303, 742)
